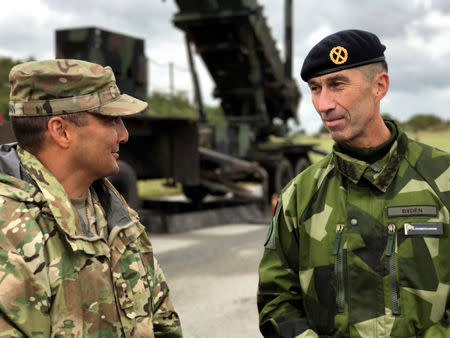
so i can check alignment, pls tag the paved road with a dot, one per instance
(212, 274)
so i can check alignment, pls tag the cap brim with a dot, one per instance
(123, 106)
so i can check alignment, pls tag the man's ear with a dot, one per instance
(381, 85)
(59, 131)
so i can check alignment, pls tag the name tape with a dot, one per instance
(412, 210)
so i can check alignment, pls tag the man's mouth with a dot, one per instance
(331, 120)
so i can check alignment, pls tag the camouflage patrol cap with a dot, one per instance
(54, 87)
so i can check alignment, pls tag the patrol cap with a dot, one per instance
(342, 50)
(54, 87)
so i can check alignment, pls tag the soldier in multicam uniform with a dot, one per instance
(359, 244)
(74, 259)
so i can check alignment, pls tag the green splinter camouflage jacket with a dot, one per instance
(57, 278)
(359, 250)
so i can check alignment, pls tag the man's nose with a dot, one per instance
(325, 101)
(122, 132)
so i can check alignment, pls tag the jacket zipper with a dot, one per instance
(338, 251)
(390, 252)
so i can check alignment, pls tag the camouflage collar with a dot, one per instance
(18, 190)
(19, 186)
(115, 213)
(381, 173)
(53, 192)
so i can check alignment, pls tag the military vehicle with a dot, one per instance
(256, 89)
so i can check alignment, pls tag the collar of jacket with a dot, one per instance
(380, 173)
(17, 184)
(117, 215)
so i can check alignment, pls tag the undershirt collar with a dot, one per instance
(372, 154)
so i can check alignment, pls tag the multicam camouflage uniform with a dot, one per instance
(57, 278)
(337, 261)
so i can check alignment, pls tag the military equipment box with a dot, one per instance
(125, 54)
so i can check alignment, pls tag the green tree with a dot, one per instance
(423, 121)
(166, 105)
(6, 64)
(178, 105)
(215, 114)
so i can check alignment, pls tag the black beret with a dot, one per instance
(342, 50)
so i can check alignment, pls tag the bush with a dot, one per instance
(423, 122)
(178, 105)
(6, 64)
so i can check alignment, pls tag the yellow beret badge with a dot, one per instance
(338, 55)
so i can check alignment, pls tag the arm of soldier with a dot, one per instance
(165, 320)
(23, 300)
(280, 305)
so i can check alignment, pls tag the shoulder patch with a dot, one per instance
(270, 239)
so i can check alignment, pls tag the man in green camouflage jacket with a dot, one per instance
(74, 259)
(359, 243)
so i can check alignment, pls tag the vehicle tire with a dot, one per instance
(301, 164)
(125, 181)
(282, 175)
(196, 193)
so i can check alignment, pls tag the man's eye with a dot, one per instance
(337, 84)
(110, 119)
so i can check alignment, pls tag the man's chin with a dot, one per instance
(114, 171)
(338, 136)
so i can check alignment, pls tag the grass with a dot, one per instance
(438, 139)
(156, 188)
(322, 142)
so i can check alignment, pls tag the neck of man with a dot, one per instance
(75, 187)
(74, 182)
(375, 134)
(371, 154)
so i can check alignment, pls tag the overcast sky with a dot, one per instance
(416, 33)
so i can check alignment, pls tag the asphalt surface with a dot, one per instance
(213, 276)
